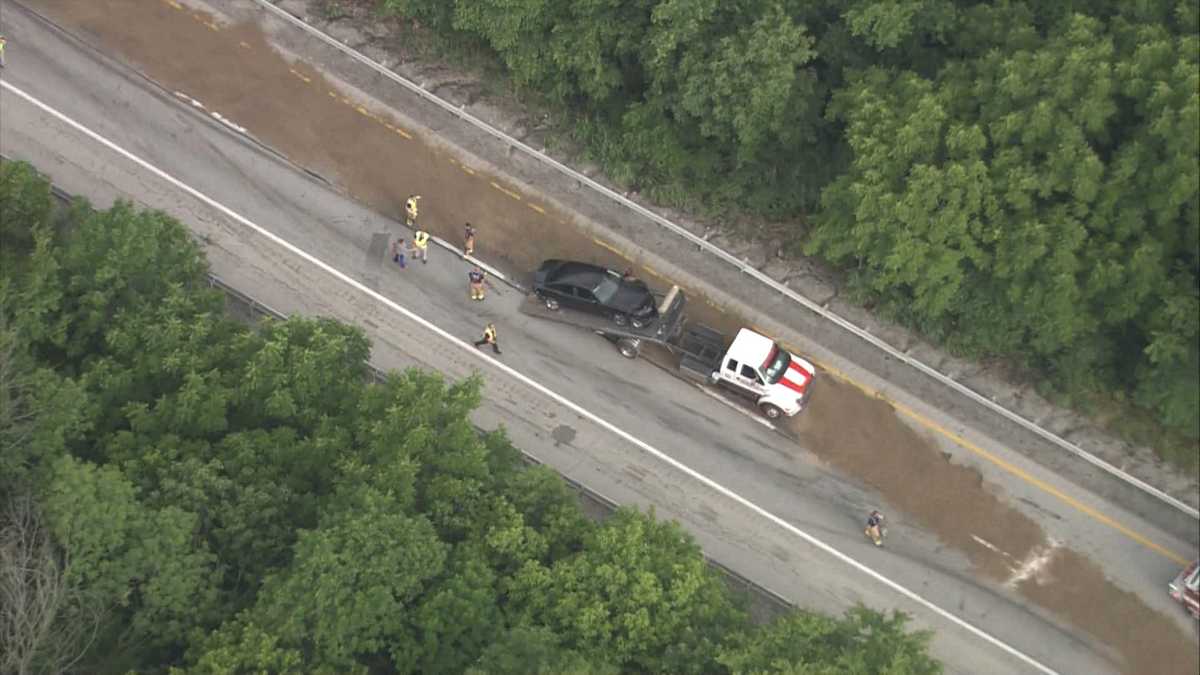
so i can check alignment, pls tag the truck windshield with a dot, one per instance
(776, 365)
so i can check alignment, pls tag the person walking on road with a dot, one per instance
(1, 51)
(410, 210)
(398, 252)
(421, 246)
(469, 241)
(489, 338)
(476, 277)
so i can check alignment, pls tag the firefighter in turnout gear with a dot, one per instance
(421, 246)
(410, 210)
(476, 277)
(469, 240)
(489, 338)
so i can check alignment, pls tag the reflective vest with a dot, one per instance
(489, 334)
(411, 207)
(421, 238)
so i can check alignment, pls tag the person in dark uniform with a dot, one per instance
(476, 277)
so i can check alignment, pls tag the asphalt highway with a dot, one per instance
(647, 404)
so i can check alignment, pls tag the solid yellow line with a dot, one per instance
(605, 245)
(508, 192)
(299, 75)
(535, 207)
(652, 271)
(1010, 468)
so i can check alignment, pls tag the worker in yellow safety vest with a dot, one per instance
(489, 338)
(421, 245)
(410, 210)
(1, 51)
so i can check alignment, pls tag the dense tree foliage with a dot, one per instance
(185, 493)
(1018, 179)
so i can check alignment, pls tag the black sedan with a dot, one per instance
(577, 285)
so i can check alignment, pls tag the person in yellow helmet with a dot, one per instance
(421, 246)
(489, 338)
(410, 210)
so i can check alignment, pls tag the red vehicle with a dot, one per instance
(1185, 589)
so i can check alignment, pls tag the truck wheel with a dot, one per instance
(770, 411)
(551, 303)
(629, 348)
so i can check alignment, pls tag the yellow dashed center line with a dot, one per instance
(244, 44)
(467, 170)
(333, 94)
(535, 207)
(506, 191)
(300, 75)
(402, 132)
(172, 3)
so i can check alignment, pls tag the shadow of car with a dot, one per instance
(598, 290)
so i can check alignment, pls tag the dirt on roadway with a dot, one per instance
(370, 155)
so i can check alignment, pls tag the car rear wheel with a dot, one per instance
(771, 412)
(620, 319)
(629, 348)
(551, 303)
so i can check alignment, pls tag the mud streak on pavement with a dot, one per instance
(371, 156)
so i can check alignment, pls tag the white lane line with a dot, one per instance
(735, 406)
(470, 349)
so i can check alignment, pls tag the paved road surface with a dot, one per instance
(686, 423)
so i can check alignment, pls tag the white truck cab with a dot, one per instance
(759, 368)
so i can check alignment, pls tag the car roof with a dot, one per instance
(576, 272)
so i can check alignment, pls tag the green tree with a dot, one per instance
(344, 596)
(863, 642)
(25, 210)
(639, 595)
(136, 563)
(530, 650)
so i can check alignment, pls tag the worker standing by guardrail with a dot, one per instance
(469, 240)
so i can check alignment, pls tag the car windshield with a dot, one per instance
(606, 289)
(777, 364)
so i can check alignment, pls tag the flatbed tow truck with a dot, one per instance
(748, 364)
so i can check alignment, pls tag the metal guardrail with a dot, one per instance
(776, 602)
(742, 266)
